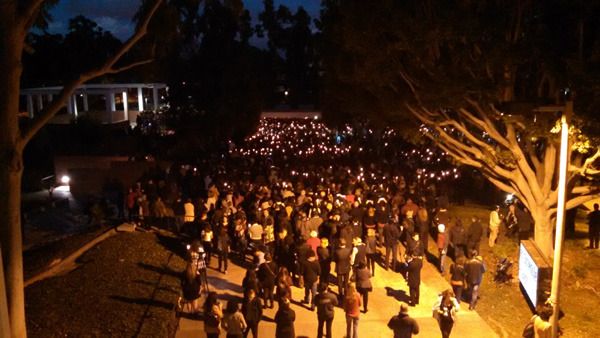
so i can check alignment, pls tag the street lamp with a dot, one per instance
(567, 111)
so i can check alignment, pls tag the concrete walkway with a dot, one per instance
(389, 289)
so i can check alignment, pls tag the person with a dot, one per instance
(494, 224)
(542, 328)
(342, 266)
(324, 259)
(402, 324)
(474, 234)
(444, 310)
(442, 244)
(511, 221)
(253, 310)
(326, 302)
(223, 246)
(256, 232)
(207, 241)
(422, 224)
(458, 239)
(283, 281)
(371, 248)
(190, 286)
(266, 277)
(414, 261)
(457, 277)
(474, 269)
(213, 313)
(594, 227)
(311, 271)
(391, 233)
(313, 242)
(285, 317)
(524, 223)
(352, 310)
(250, 282)
(363, 284)
(233, 320)
(189, 215)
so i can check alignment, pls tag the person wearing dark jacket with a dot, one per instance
(190, 287)
(252, 310)
(458, 239)
(324, 258)
(474, 235)
(223, 245)
(326, 303)
(311, 270)
(342, 266)
(402, 324)
(474, 270)
(594, 227)
(363, 284)
(524, 223)
(391, 233)
(285, 318)
(415, 263)
(266, 276)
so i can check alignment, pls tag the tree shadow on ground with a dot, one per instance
(399, 295)
(160, 270)
(172, 244)
(223, 284)
(143, 301)
(153, 284)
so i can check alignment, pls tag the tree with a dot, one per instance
(16, 19)
(517, 158)
(425, 57)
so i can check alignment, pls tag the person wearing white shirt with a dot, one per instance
(495, 222)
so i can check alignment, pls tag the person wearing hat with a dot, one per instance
(442, 244)
(402, 324)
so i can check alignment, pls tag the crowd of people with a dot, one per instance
(322, 228)
(324, 224)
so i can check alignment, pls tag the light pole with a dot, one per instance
(560, 214)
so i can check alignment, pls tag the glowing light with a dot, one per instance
(65, 180)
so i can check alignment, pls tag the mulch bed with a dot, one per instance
(126, 286)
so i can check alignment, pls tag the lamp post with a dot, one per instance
(560, 214)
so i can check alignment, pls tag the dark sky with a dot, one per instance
(115, 15)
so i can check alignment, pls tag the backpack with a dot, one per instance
(528, 331)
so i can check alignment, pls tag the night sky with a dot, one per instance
(115, 15)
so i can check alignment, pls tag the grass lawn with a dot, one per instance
(504, 307)
(125, 286)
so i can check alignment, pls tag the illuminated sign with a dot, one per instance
(528, 274)
(534, 273)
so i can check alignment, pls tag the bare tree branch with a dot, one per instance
(129, 66)
(549, 167)
(523, 164)
(29, 13)
(586, 168)
(107, 68)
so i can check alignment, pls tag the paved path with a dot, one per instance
(388, 289)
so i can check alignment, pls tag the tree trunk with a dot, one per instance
(11, 169)
(543, 230)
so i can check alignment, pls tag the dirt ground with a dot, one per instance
(126, 286)
(504, 307)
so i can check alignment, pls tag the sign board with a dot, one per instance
(535, 273)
